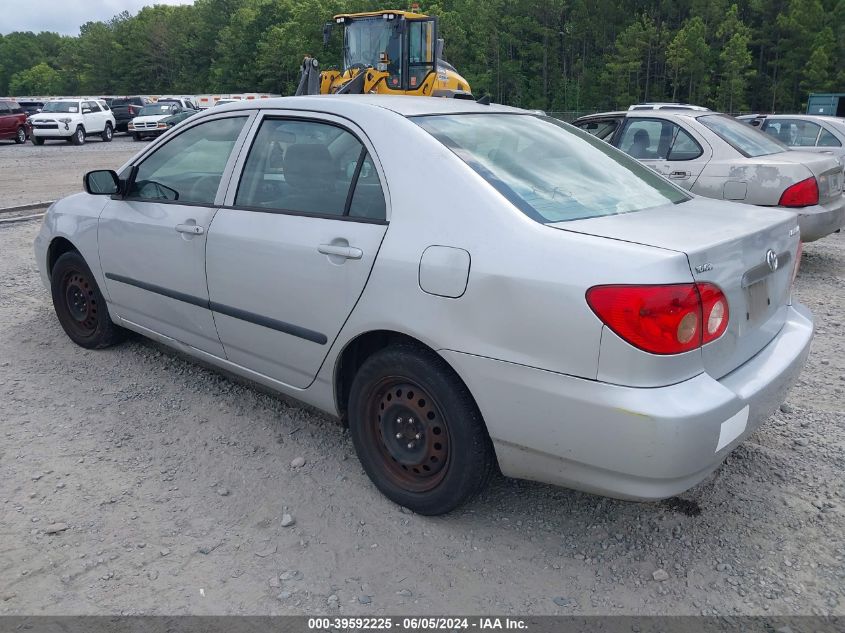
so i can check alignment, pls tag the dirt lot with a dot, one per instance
(31, 174)
(134, 481)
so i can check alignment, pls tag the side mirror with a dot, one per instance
(102, 182)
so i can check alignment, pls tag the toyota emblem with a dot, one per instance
(772, 260)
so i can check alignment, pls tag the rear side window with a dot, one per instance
(188, 168)
(794, 133)
(657, 139)
(743, 138)
(826, 139)
(311, 168)
(549, 170)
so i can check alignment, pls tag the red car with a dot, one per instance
(13, 124)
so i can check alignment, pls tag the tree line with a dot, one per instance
(555, 55)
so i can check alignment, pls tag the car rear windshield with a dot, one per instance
(551, 171)
(747, 140)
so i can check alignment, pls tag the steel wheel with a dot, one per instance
(411, 433)
(417, 430)
(81, 303)
(21, 136)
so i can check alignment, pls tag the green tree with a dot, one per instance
(735, 61)
(688, 58)
(38, 80)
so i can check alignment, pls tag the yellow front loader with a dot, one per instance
(386, 52)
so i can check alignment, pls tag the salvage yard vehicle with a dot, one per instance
(72, 120)
(150, 120)
(823, 134)
(716, 156)
(127, 108)
(13, 122)
(568, 314)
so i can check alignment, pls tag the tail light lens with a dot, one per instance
(667, 319)
(801, 194)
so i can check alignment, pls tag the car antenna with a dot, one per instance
(485, 100)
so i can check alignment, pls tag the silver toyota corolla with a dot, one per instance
(467, 285)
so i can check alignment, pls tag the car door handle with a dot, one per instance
(679, 174)
(349, 252)
(192, 229)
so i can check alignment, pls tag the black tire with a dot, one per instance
(107, 134)
(417, 431)
(78, 137)
(20, 136)
(136, 136)
(80, 305)
(36, 140)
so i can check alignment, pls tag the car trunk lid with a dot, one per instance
(728, 245)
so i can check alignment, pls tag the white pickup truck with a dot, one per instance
(73, 120)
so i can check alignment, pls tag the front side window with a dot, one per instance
(306, 167)
(549, 170)
(743, 138)
(188, 168)
(656, 139)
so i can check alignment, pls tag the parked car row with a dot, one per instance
(718, 156)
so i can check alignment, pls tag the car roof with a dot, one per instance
(349, 104)
(802, 117)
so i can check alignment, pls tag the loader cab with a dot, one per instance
(403, 44)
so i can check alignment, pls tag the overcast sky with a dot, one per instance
(65, 16)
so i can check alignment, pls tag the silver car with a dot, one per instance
(716, 156)
(805, 132)
(465, 285)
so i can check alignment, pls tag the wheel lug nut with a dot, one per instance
(410, 445)
(418, 436)
(398, 436)
(399, 420)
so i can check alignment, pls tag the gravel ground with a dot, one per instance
(135, 481)
(31, 174)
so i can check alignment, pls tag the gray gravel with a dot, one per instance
(31, 174)
(130, 448)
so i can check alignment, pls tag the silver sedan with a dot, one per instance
(716, 156)
(465, 285)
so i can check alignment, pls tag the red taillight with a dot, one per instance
(669, 319)
(801, 194)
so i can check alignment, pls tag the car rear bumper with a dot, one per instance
(821, 219)
(630, 443)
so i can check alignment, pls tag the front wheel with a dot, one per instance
(80, 305)
(417, 431)
(37, 140)
(136, 136)
(78, 137)
(20, 137)
(107, 134)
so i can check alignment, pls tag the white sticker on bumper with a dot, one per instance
(732, 428)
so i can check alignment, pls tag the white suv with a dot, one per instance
(72, 120)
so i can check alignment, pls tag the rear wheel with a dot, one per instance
(80, 305)
(78, 137)
(107, 134)
(20, 137)
(417, 431)
(37, 140)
